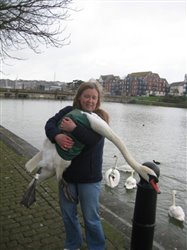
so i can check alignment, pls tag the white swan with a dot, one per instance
(176, 212)
(130, 183)
(50, 162)
(112, 175)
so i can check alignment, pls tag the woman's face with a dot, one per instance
(89, 99)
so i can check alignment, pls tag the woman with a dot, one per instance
(84, 174)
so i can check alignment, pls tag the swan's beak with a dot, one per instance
(154, 185)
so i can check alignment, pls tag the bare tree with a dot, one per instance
(30, 23)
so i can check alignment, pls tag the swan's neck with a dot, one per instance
(174, 202)
(102, 128)
(115, 166)
(132, 173)
(110, 135)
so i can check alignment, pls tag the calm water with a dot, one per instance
(149, 133)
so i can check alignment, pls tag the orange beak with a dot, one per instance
(155, 186)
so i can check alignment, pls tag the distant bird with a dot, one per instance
(156, 162)
(112, 175)
(176, 212)
(131, 181)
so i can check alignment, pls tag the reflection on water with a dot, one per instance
(150, 133)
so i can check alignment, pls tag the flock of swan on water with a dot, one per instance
(174, 211)
(48, 163)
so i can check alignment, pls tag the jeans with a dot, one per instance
(88, 196)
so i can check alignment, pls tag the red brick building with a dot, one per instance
(145, 83)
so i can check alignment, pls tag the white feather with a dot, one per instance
(49, 160)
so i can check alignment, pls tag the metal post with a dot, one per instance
(144, 213)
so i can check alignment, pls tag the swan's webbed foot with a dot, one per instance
(29, 197)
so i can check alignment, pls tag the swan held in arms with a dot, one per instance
(49, 162)
(176, 212)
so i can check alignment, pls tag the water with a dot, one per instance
(149, 133)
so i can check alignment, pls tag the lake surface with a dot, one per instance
(149, 133)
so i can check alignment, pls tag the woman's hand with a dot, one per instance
(68, 124)
(64, 141)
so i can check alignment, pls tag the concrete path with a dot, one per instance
(38, 227)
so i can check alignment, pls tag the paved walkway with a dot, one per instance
(38, 227)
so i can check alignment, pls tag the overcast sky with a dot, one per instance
(113, 37)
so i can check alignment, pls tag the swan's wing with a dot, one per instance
(33, 162)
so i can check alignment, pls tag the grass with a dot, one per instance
(166, 101)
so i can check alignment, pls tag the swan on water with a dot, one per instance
(131, 183)
(50, 162)
(176, 212)
(112, 175)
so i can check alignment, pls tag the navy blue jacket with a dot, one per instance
(86, 167)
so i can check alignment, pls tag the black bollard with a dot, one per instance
(144, 213)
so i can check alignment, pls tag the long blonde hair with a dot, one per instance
(91, 85)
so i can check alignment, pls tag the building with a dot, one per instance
(178, 88)
(135, 84)
(145, 83)
(112, 85)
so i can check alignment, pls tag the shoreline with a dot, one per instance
(163, 101)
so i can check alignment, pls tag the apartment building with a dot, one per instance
(145, 83)
(135, 84)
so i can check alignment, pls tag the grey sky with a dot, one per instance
(113, 37)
